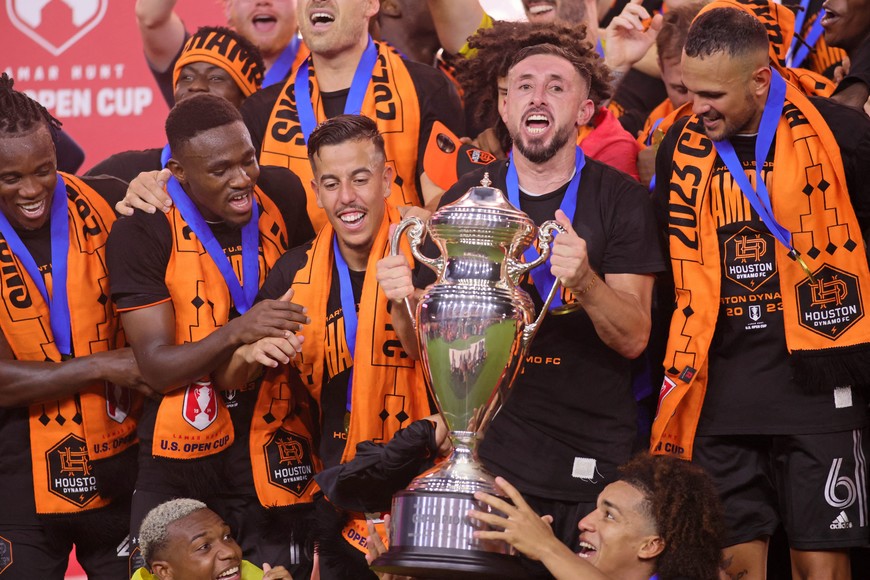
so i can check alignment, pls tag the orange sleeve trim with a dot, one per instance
(130, 309)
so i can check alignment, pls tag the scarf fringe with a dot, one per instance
(821, 371)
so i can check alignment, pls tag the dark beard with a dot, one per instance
(538, 155)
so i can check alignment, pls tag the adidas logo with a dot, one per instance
(841, 522)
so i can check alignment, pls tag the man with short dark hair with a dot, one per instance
(573, 398)
(766, 193)
(186, 286)
(68, 406)
(184, 540)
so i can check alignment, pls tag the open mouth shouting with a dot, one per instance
(830, 17)
(536, 123)
(587, 550)
(264, 22)
(321, 18)
(540, 8)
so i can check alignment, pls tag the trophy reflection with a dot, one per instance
(474, 326)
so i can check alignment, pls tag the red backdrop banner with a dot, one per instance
(83, 60)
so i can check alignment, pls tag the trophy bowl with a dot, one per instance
(474, 325)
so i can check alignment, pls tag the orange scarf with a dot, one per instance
(193, 421)
(391, 100)
(650, 130)
(97, 423)
(810, 199)
(779, 22)
(386, 381)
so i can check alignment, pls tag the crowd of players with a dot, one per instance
(205, 353)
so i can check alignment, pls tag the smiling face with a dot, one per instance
(619, 537)
(331, 27)
(28, 175)
(351, 182)
(547, 101)
(218, 169)
(551, 10)
(199, 547)
(846, 23)
(204, 77)
(269, 24)
(728, 93)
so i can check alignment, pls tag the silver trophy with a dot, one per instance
(474, 326)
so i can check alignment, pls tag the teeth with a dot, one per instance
(537, 117)
(239, 197)
(230, 572)
(30, 206)
(587, 545)
(319, 17)
(351, 217)
(540, 8)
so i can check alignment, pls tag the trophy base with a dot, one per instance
(432, 537)
(424, 563)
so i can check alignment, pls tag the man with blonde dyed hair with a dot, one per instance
(182, 538)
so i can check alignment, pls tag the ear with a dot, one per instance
(651, 547)
(373, 8)
(391, 8)
(315, 186)
(161, 569)
(586, 112)
(388, 180)
(761, 80)
(177, 170)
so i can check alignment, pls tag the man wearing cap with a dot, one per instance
(270, 25)
(215, 60)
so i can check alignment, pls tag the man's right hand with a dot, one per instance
(394, 276)
(269, 318)
(147, 192)
(628, 38)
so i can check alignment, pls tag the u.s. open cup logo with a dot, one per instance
(55, 25)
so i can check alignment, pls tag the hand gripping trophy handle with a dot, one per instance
(415, 239)
(516, 269)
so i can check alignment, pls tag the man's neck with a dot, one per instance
(335, 71)
(540, 178)
(356, 258)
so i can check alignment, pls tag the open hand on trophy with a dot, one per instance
(375, 547)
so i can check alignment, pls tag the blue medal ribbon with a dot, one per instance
(541, 275)
(243, 296)
(799, 18)
(803, 49)
(348, 308)
(355, 97)
(280, 69)
(758, 196)
(58, 304)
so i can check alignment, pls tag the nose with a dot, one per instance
(699, 105)
(587, 524)
(30, 187)
(240, 178)
(199, 84)
(346, 193)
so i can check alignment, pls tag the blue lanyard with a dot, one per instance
(799, 18)
(759, 198)
(541, 275)
(280, 69)
(58, 305)
(243, 296)
(812, 38)
(648, 143)
(355, 97)
(348, 308)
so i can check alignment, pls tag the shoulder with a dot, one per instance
(111, 189)
(131, 230)
(128, 164)
(849, 126)
(497, 170)
(284, 271)
(261, 103)
(606, 180)
(279, 183)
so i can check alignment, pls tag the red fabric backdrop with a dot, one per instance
(83, 60)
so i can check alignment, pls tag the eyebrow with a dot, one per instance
(612, 506)
(353, 173)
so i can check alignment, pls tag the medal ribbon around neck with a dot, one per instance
(541, 275)
(58, 304)
(355, 97)
(243, 296)
(280, 69)
(759, 198)
(348, 309)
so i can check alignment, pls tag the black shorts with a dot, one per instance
(41, 549)
(814, 485)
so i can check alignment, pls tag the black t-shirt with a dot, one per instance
(138, 255)
(438, 98)
(638, 94)
(859, 70)
(16, 471)
(128, 164)
(749, 374)
(570, 418)
(333, 394)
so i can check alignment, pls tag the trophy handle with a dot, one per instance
(545, 237)
(415, 238)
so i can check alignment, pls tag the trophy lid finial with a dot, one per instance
(485, 182)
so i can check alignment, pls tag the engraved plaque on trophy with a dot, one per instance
(473, 326)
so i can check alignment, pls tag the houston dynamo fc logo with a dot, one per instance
(55, 25)
(289, 461)
(70, 475)
(832, 304)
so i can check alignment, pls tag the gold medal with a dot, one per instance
(346, 421)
